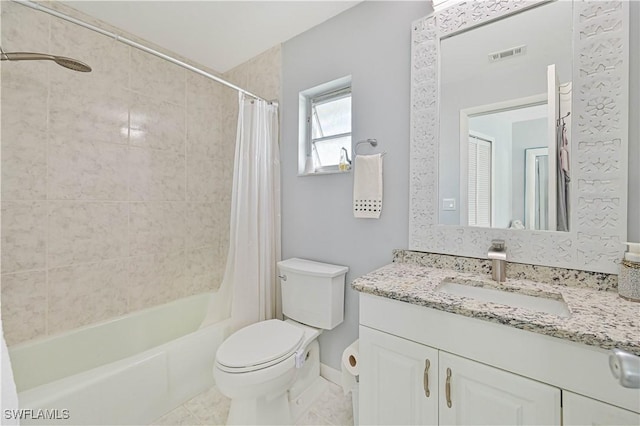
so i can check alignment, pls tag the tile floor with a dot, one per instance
(332, 408)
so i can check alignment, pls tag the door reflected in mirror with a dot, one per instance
(536, 188)
(505, 91)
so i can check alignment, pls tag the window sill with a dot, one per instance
(324, 172)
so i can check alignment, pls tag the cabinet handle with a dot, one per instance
(427, 364)
(448, 388)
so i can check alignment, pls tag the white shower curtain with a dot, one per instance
(248, 289)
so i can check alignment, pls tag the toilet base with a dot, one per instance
(260, 411)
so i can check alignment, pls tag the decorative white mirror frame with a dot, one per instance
(599, 154)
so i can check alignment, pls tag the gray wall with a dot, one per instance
(370, 42)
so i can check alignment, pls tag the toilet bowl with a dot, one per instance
(260, 365)
(256, 367)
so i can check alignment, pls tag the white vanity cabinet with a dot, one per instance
(579, 410)
(398, 380)
(491, 373)
(474, 393)
(404, 382)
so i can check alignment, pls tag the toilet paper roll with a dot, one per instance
(350, 366)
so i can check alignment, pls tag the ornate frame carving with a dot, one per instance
(599, 146)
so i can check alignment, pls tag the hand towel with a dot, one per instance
(367, 186)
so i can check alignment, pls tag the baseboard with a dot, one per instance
(331, 374)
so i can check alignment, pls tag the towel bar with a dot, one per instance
(372, 142)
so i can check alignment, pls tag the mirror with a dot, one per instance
(594, 135)
(536, 189)
(504, 88)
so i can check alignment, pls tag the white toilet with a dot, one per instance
(264, 365)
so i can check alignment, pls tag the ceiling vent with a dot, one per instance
(506, 54)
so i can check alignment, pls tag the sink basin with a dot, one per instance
(548, 303)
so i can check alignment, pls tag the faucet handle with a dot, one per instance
(497, 244)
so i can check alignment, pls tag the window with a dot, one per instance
(330, 120)
(325, 128)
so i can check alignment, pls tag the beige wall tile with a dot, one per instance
(24, 107)
(202, 224)
(204, 177)
(260, 75)
(108, 58)
(156, 175)
(204, 132)
(205, 269)
(24, 306)
(156, 124)
(24, 163)
(156, 279)
(86, 232)
(156, 227)
(24, 233)
(202, 92)
(133, 159)
(15, 18)
(90, 114)
(80, 170)
(157, 78)
(83, 294)
(32, 74)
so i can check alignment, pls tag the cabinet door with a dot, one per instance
(580, 410)
(398, 380)
(479, 394)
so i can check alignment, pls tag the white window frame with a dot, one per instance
(326, 92)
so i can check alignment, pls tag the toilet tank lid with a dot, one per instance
(310, 267)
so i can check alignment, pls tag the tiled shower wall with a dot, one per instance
(116, 184)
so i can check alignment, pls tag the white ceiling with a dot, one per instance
(218, 34)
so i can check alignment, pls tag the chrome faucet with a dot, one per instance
(498, 255)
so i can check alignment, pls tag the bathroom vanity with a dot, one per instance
(441, 343)
(430, 355)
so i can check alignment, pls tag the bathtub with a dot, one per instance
(127, 370)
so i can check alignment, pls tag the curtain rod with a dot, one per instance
(132, 43)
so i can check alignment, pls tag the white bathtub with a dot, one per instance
(128, 370)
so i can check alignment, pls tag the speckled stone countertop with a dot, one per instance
(597, 318)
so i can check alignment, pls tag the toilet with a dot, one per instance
(264, 366)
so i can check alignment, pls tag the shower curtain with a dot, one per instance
(248, 289)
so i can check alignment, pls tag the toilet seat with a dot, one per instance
(259, 346)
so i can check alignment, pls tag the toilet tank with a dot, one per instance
(312, 292)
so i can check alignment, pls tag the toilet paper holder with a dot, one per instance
(625, 367)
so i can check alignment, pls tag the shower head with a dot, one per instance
(72, 64)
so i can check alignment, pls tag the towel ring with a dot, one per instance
(372, 142)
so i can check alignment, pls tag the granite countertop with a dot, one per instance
(597, 318)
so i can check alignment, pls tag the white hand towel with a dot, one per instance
(367, 186)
